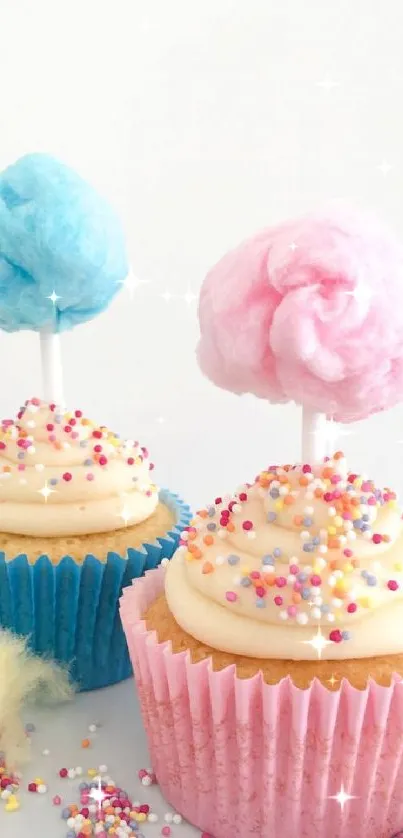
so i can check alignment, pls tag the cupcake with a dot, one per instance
(268, 657)
(80, 517)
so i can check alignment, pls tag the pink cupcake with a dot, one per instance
(269, 662)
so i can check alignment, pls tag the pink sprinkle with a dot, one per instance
(67, 476)
(294, 569)
(281, 581)
(371, 501)
(328, 496)
(348, 553)
(306, 469)
(278, 600)
(57, 800)
(335, 478)
(142, 773)
(166, 831)
(254, 574)
(316, 580)
(366, 486)
(393, 585)
(260, 591)
(352, 608)
(297, 586)
(21, 467)
(231, 596)
(291, 610)
(89, 476)
(336, 636)
(377, 538)
(247, 525)
(52, 437)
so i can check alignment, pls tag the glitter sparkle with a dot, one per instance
(318, 642)
(342, 797)
(46, 492)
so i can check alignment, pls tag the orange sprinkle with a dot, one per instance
(208, 539)
(327, 472)
(298, 520)
(85, 743)
(338, 455)
(303, 481)
(333, 543)
(296, 597)
(203, 513)
(197, 554)
(192, 548)
(318, 493)
(340, 593)
(207, 568)
(289, 500)
(230, 527)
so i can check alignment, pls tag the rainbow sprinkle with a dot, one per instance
(320, 584)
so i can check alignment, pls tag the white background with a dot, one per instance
(202, 122)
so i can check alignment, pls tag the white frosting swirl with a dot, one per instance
(302, 564)
(62, 475)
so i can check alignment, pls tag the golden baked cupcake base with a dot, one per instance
(357, 671)
(96, 544)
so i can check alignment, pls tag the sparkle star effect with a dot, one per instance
(361, 294)
(189, 297)
(125, 514)
(318, 642)
(167, 296)
(46, 492)
(342, 797)
(384, 167)
(332, 680)
(53, 297)
(132, 283)
(98, 794)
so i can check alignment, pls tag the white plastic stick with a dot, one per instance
(52, 372)
(314, 441)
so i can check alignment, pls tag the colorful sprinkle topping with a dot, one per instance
(338, 524)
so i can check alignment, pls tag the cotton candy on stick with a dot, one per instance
(62, 255)
(309, 311)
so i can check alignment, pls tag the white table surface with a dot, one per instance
(119, 743)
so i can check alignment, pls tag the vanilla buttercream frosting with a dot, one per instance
(63, 475)
(306, 562)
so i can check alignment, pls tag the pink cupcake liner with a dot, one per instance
(239, 757)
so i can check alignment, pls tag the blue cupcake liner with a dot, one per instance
(70, 612)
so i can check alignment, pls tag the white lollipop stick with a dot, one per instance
(314, 438)
(52, 371)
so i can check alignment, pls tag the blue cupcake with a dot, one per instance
(80, 518)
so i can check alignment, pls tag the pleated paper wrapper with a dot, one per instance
(69, 612)
(237, 757)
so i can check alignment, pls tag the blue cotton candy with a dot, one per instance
(56, 234)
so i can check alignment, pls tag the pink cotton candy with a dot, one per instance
(311, 311)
